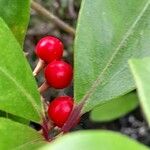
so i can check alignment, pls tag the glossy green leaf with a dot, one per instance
(17, 136)
(108, 34)
(18, 90)
(94, 140)
(115, 108)
(141, 72)
(16, 14)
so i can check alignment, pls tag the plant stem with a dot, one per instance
(43, 87)
(40, 65)
(45, 130)
(42, 11)
(73, 118)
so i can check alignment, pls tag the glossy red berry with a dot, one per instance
(58, 74)
(49, 48)
(60, 109)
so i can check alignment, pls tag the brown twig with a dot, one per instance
(71, 9)
(42, 11)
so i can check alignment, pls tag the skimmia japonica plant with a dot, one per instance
(110, 75)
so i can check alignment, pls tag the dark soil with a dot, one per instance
(132, 125)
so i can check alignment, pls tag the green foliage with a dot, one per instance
(16, 15)
(141, 72)
(19, 94)
(108, 34)
(115, 108)
(94, 140)
(17, 136)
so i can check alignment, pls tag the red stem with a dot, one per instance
(45, 130)
(73, 118)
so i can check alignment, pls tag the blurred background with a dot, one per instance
(133, 124)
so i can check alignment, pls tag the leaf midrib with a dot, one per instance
(22, 89)
(117, 49)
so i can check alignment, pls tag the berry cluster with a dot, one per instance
(58, 74)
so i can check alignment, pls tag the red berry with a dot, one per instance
(58, 74)
(60, 109)
(49, 48)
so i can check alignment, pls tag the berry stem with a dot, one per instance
(40, 65)
(43, 87)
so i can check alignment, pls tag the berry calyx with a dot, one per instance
(58, 74)
(49, 48)
(59, 109)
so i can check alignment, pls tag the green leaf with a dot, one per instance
(94, 140)
(17, 136)
(141, 72)
(18, 90)
(16, 14)
(108, 34)
(115, 108)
